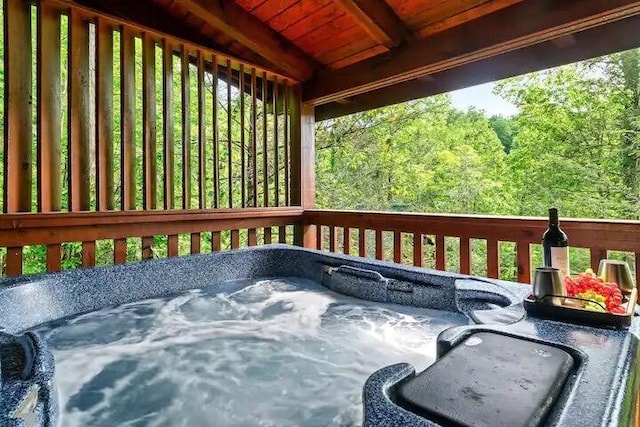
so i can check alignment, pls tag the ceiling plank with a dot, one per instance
(378, 19)
(237, 23)
(512, 28)
(603, 40)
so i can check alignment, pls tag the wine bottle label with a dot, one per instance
(560, 260)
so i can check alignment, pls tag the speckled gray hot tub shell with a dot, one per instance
(607, 373)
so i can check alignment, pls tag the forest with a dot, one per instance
(574, 143)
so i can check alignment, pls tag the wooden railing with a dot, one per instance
(56, 229)
(353, 232)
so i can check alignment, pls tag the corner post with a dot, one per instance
(303, 164)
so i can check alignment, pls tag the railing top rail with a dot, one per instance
(610, 234)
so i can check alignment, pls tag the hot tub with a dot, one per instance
(275, 335)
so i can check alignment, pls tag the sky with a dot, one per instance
(481, 98)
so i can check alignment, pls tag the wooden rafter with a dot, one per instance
(379, 20)
(592, 43)
(240, 25)
(534, 22)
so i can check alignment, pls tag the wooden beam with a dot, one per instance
(617, 36)
(378, 19)
(240, 25)
(537, 21)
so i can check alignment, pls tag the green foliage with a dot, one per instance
(575, 144)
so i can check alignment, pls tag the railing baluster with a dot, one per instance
(172, 245)
(79, 132)
(417, 249)
(89, 253)
(149, 122)
(346, 241)
(596, 255)
(465, 256)
(235, 239)
(17, 110)
(637, 267)
(319, 238)
(441, 261)
(397, 247)
(54, 257)
(252, 238)
(195, 243)
(120, 251)
(215, 241)
(267, 235)
(379, 245)
(202, 170)
(362, 237)
(147, 247)
(524, 262)
(49, 111)
(14, 261)
(127, 121)
(282, 234)
(332, 239)
(186, 128)
(104, 114)
(168, 124)
(493, 259)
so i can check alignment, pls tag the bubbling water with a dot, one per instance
(273, 352)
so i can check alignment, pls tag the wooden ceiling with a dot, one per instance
(345, 50)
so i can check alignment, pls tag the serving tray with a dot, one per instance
(581, 316)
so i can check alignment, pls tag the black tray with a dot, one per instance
(577, 315)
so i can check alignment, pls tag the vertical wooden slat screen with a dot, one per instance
(104, 116)
(79, 131)
(186, 129)
(258, 141)
(265, 147)
(149, 122)
(243, 166)
(202, 184)
(229, 134)
(127, 120)
(49, 111)
(215, 130)
(168, 125)
(254, 140)
(276, 169)
(285, 125)
(17, 110)
(332, 239)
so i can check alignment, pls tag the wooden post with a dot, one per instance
(303, 164)
(17, 108)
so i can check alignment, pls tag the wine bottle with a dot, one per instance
(555, 245)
